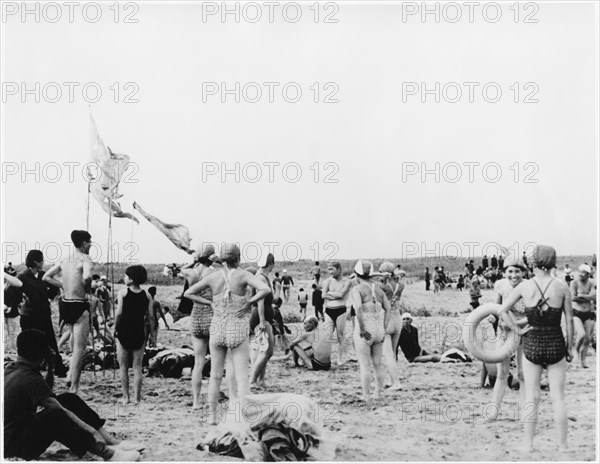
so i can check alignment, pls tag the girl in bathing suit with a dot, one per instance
(545, 299)
(230, 324)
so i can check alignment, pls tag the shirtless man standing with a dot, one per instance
(335, 293)
(74, 306)
(583, 292)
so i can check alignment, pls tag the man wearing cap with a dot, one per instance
(335, 294)
(409, 343)
(583, 292)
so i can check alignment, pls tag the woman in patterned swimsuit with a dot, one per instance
(545, 299)
(230, 326)
(392, 288)
(201, 316)
(513, 271)
(372, 317)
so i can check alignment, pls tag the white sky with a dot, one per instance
(368, 134)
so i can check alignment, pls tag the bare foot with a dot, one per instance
(125, 401)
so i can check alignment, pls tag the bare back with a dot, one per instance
(75, 271)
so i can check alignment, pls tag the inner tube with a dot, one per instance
(471, 323)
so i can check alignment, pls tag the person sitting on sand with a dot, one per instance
(409, 343)
(133, 310)
(34, 416)
(313, 346)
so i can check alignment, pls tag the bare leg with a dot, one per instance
(138, 356)
(80, 331)
(240, 358)
(520, 375)
(589, 328)
(363, 352)
(231, 377)
(376, 358)
(389, 359)
(123, 357)
(217, 361)
(579, 336)
(299, 352)
(259, 363)
(532, 373)
(200, 346)
(503, 370)
(341, 330)
(64, 338)
(556, 378)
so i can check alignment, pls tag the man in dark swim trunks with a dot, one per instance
(335, 293)
(74, 306)
(583, 293)
(313, 346)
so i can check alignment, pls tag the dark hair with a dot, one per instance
(301, 290)
(80, 236)
(95, 277)
(152, 291)
(32, 344)
(270, 260)
(34, 256)
(277, 274)
(137, 273)
(317, 263)
(314, 286)
(166, 309)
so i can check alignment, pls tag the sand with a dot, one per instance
(438, 415)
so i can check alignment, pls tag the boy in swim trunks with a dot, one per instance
(312, 346)
(74, 306)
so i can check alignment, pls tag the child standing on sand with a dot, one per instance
(133, 310)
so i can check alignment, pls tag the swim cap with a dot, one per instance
(364, 268)
(407, 316)
(585, 268)
(387, 268)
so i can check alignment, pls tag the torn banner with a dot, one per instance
(177, 233)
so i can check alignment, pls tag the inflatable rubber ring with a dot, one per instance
(469, 336)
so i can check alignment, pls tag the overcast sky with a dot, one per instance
(374, 135)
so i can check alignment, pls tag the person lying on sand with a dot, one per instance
(34, 416)
(313, 346)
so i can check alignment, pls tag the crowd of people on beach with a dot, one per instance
(236, 316)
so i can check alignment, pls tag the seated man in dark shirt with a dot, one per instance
(34, 417)
(409, 343)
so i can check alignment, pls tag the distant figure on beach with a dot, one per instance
(583, 294)
(74, 306)
(316, 272)
(317, 302)
(156, 314)
(286, 283)
(427, 279)
(303, 302)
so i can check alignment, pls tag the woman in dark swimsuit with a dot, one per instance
(545, 299)
(133, 310)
